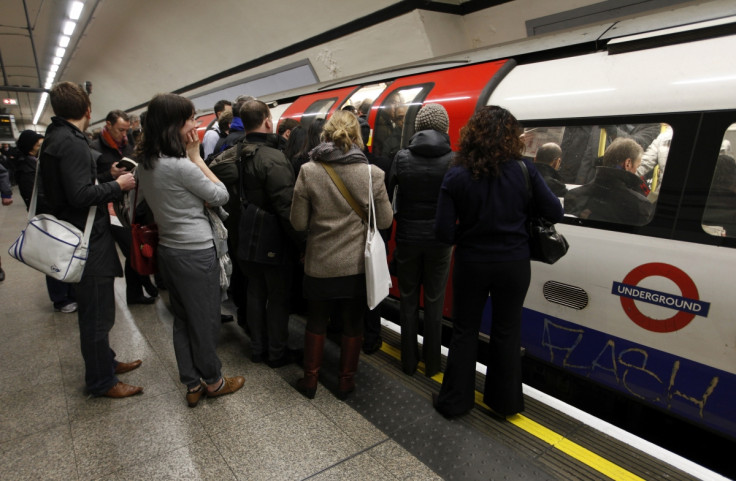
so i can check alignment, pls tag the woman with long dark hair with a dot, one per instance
(482, 209)
(177, 185)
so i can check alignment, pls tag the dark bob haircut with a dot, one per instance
(166, 115)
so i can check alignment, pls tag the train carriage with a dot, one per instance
(643, 308)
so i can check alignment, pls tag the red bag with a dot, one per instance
(143, 245)
(143, 248)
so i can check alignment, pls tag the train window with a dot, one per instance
(389, 134)
(719, 216)
(599, 176)
(317, 110)
(365, 96)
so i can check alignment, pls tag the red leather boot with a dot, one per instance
(314, 345)
(349, 356)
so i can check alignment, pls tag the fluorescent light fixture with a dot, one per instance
(69, 27)
(54, 68)
(60, 52)
(41, 105)
(48, 84)
(64, 41)
(76, 10)
(56, 61)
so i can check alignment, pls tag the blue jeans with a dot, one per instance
(60, 293)
(96, 315)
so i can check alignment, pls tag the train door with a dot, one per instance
(394, 111)
(317, 106)
(458, 90)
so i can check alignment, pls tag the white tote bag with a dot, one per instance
(52, 246)
(377, 277)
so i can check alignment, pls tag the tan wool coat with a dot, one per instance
(335, 233)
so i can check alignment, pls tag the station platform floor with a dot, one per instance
(387, 430)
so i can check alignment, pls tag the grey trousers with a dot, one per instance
(193, 280)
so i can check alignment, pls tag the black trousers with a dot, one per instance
(96, 316)
(428, 267)
(472, 283)
(268, 306)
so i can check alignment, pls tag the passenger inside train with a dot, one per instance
(615, 194)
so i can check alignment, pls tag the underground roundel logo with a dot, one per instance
(687, 304)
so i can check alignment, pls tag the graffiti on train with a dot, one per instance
(630, 368)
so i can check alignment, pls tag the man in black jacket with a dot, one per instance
(113, 145)
(616, 194)
(68, 174)
(268, 180)
(422, 260)
(547, 161)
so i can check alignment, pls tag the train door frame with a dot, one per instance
(301, 105)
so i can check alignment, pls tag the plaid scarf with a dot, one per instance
(107, 137)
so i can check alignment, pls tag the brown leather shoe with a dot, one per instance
(193, 397)
(231, 385)
(121, 389)
(124, 367)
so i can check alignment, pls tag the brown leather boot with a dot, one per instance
(349, 356)
(314, 345)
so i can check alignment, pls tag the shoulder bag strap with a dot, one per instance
(34, 200)
(531, 208)
(344, 190)
(241, 170)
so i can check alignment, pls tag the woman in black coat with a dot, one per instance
(482, 209)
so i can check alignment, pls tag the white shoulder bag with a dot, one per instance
(377, 277)
(52, 246)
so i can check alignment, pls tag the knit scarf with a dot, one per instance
(107, 137)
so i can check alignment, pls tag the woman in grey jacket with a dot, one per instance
(177, 189)
(334, 263)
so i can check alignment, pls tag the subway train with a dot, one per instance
(642, 308)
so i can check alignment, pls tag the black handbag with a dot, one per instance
(545, 243)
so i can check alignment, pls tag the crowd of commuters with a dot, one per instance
(296, 198)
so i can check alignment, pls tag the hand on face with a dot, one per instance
(192, 142)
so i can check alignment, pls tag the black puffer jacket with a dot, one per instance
(418, 171)
(269, 181)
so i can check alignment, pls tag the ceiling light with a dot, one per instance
(60, 52)
(64, 41)
(56, 61)
(48, 84)
(76, 10)
(41, 105)
(54, 68)
(69, 27)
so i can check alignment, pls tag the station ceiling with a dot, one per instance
(130, 50)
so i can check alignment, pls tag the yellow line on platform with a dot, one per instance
(556, 440)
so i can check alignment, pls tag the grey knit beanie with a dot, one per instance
(432, 117)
